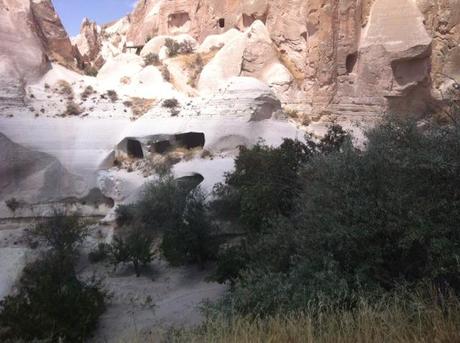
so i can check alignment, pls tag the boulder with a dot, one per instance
(31, 176)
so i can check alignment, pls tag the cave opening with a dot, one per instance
(190, 140)
(221, 23)
(134, 148)
(178, 19)
(161, 147)
(351, 62)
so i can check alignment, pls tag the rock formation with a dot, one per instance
(33, 176)
(52, 33)
(346, 57)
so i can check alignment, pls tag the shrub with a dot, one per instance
(264, 184)
(383, 215)
(151, 59)
(91, 71)
(64, 88)
(13, 204)
(191, 240)
(125, 214)
(140, 106)
(165, 73)
(51, 304)
(100, 253)
(89, 90)
(62, 233)
(363, 221)
(113, 96)
(170, 103)
(136, 248)
(175, 48)
(72, 109)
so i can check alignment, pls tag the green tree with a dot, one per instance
(136, 248)
(193, 239)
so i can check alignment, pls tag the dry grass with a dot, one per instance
(393, 319)
(72, 109)
(140, 106)
(64, 88)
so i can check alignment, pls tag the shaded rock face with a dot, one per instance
(345, 56)
(34, 176)
(52, 33)
(22, 55)
(88, 42)
(31, 35)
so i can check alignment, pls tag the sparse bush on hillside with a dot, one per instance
(72, 109)
(113, 96)
(139, 106)
(195, 65)
(13, 204)
(170, 103)
(64, 88)
(165, 73)
(91, 71)
(151, 59)
(175, 48)
(89, 90)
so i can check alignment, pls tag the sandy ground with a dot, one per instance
(162, 297)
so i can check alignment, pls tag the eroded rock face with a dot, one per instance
(346, 57)
(34, 176)
(88, 42)
(52, 33)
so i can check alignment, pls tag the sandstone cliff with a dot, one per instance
(31, 35)
(344, 56)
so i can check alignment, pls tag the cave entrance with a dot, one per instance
(221, 23)
(134, 148)
(351, 62)
(190, 140)
(161, 147)
(178, 19)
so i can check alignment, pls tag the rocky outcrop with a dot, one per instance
(88, 42)
(52, 33)
(33, 176)
(336, 57)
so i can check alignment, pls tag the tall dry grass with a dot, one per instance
(393, 319)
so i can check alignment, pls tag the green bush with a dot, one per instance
(51, 304)
(62, 233)
(136, 248)
(351, 221)
(191, 240)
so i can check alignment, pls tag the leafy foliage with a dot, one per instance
(136, 248)
(51, 303)
(191, 240)
(345, 221)
(62, 233)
